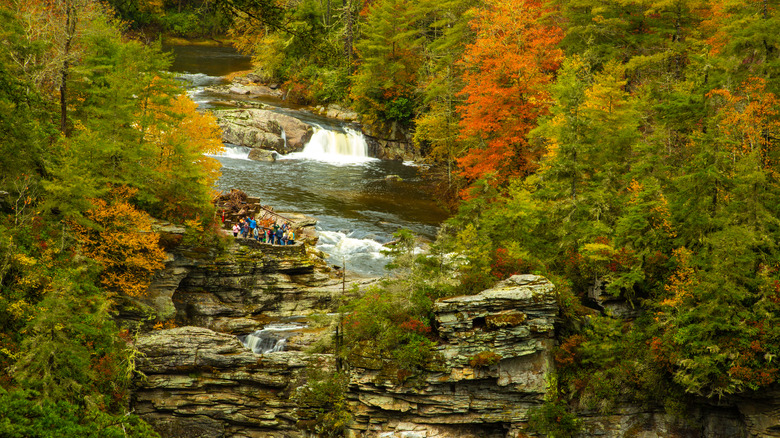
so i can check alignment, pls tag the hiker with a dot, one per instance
(285, 235)
(279, 235)
(236, 229)
(244, 228)
(253, 227)
(291, 237)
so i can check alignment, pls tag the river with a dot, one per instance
(359, 201)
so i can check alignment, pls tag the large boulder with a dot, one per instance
(264, 129)
(262, 155)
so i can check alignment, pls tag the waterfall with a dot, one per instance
(233, 151)
(270, 339)
(348, 146)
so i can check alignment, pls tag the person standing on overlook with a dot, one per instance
(253, 227)
(244, 227)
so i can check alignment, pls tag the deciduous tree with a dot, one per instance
(508, 68)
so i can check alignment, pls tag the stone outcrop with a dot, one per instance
(263, 129)
(338, 112)
(514, 321)
(633, 421)
(249, 85)
(199, 383)
(240, 290)
(390, 142)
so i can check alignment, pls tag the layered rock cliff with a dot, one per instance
(200, 383)
(202, 380)
(514, 323)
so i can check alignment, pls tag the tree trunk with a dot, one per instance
(70, 32)
(348, 37)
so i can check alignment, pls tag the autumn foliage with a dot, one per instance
(120, 238)
(508, 68)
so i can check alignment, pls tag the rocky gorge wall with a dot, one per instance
(202, 382)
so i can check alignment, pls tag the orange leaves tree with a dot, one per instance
(508, 68)
(750, 122)
(119, 237)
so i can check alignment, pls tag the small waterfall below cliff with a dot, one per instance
(334, 146)
(271, 338)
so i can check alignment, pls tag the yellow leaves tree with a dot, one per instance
(750, 121)
(180, 136)
(121, 240)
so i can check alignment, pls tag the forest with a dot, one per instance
(629, 150)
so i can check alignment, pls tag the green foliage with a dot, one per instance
(401, 250)
(555, 420)
(24, 118)
(72, 351)
(24, 414)
(322, 403)
(393, 325)
(181, 23)
(384, 85)
(181, 18)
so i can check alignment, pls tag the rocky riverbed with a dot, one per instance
(255, 122)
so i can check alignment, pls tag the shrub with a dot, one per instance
(24, 414)
(322, 403)
(554, 419)
(484, 359)
(393, 324)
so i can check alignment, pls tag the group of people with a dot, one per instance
(275, 235)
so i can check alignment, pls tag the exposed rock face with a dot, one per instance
(390, 142)
(241, 290)
(633, 421)
(255, 282)
(205, 384)
(263, 129)
(338, 112)
(514, 320)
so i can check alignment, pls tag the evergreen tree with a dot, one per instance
(384, 87)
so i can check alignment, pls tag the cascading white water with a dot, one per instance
(233, 151)
(358, 253)
(334, 146)
(270, 339)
